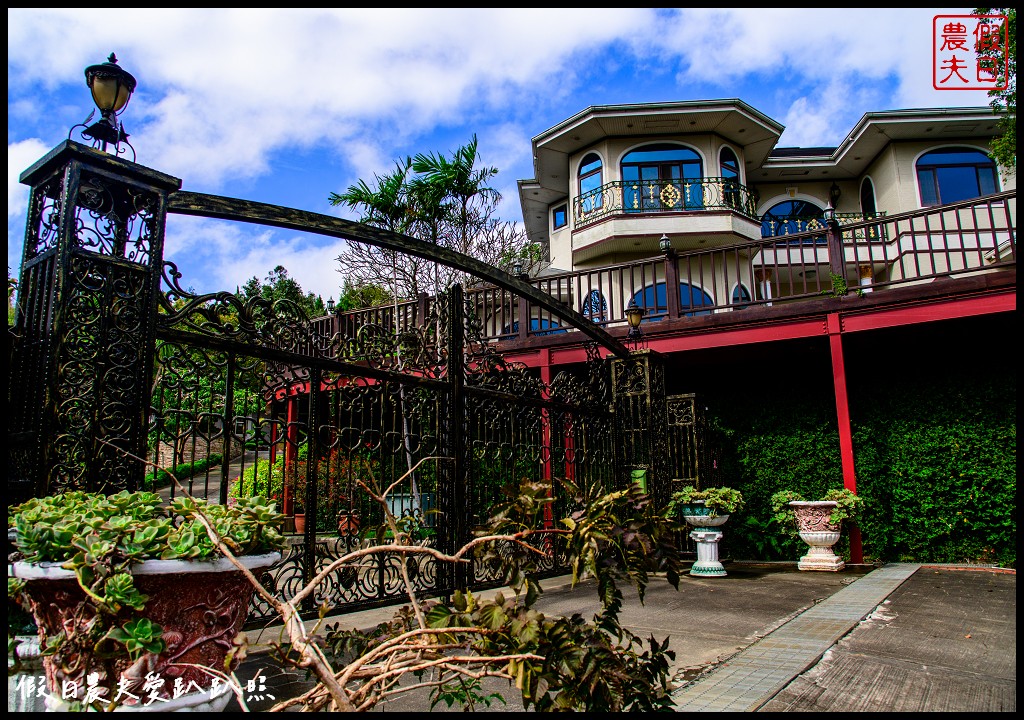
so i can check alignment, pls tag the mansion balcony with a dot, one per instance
(719, 210)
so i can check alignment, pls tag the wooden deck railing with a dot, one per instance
(882, 252)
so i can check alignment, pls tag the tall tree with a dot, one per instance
(459, 185)
(389, 206)
(279, 285)
(446, 201)
(1004, 147)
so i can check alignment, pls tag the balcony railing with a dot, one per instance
(956, 240)
(783, 225)
(661, 196)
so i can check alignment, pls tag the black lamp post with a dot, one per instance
(111, 87)
(665, 244)
(330, 306)
(634, 315)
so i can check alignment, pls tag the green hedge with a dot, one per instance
(162, 478)
(936, 465)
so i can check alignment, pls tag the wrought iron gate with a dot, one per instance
(114, 361)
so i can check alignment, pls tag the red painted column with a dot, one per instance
(291, 447)
(545, 378)
(835, 339)
(273, 434)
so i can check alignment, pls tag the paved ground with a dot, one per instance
(203, 486)
(945, 640)
(771, 638)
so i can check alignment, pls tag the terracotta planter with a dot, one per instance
(348, 524)
(707, 537)
(300, 523)
(815, 527)
(201, 606)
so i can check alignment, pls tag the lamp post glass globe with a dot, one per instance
(634, 315)
(111, 87)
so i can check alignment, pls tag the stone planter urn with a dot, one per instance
(201, 606)
(707, 536)
(815, 527)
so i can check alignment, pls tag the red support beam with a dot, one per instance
(835, 340)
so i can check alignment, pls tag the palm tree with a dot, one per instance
(386, 207)
(450, 187)
(390, 207)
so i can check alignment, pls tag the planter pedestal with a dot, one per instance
(707, 537)
(815, 527)
(707, 564)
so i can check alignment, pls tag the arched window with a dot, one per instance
(661, 177)
(730, 168)
(953, 174)
(654, 300)
(740, 296)
(590, 183)
(792, 216)
(867, 198)
(867, 208)
(595, 307)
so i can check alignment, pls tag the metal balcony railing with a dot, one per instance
(661, 196)
(783, 225)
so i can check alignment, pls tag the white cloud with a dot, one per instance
(829, 65)
(223, 255)
(219, 88)
(20, 156)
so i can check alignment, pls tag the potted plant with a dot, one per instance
(818, 523)
(706, 510)
(338, 475)
(132, 598)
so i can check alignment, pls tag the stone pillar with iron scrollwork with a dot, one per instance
(84, 326)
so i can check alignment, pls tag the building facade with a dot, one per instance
(612, 180)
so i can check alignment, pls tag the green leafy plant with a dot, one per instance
(100, 537)
(555, 663)
(718, 500)
(467, 692)
(163, 478)
(839, 285)
(338, 474)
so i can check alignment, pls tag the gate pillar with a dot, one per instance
(641, 420)
(82, 355)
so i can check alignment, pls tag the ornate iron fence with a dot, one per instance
(339, 414)
(116, 368)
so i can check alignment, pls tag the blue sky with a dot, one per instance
(286, 106)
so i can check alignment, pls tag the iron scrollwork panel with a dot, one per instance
(100, 375)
